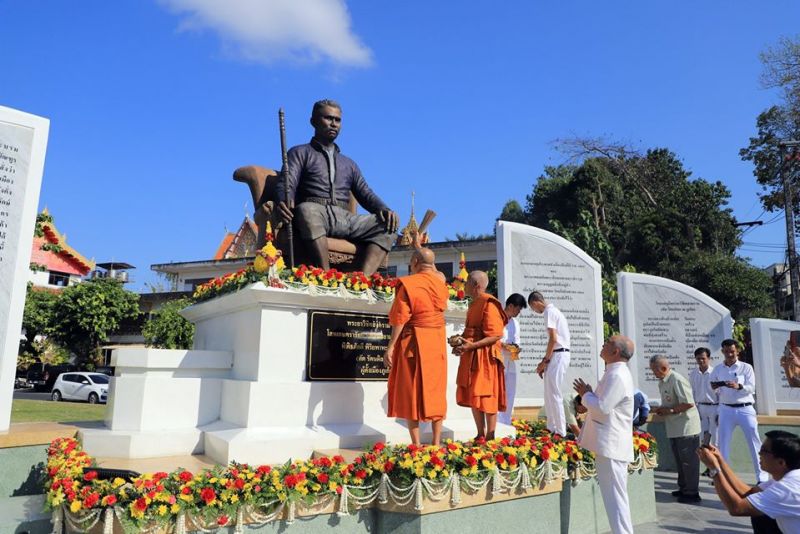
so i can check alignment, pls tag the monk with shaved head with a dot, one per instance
(417, 353)
(481, 381)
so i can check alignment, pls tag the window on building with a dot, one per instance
(191, 285)
(480, 265)
(446, 268)
(391, 270)
(58, 279)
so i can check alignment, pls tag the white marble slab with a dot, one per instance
(769, 336)
(668, 318)
(23, 142)
(530, 258)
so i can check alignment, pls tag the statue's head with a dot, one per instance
(326, 118)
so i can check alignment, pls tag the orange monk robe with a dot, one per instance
(418, 378)
(481, 374)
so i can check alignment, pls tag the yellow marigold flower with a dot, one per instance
(117, 482)
(419, 471)
(432, 474)
(234, 498)
(175, 508)
(187, 498)
(75, 506)
(332, 486)
(162, 510)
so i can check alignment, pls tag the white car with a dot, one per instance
(90, 387)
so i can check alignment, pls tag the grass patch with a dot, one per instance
(36, 411)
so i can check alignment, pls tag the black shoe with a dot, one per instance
(689, 499)
(677, 493)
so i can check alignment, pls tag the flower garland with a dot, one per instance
(241, 493)
(315, 281)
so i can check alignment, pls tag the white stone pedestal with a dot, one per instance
(242, 395)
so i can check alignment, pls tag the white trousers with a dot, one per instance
(553, 400)
(511, 390)
(708, 421)
(745, 418)
(612, 476)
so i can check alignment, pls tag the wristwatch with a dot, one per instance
(713, 472)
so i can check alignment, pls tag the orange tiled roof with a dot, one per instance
(67, 261)
(227, 241)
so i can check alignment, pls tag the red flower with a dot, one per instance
(185, 476)
(239, 483)
(545, 454)
(186, 490)
(388, 467)
(290, 481)
(90, 475)
(378, 447)
(499, 458)
(263, 470)
(460, 294)
(223, 520)
(361, 473)
(141, 504)
(471, 460)
(323, 478)
(339, 490)
(339, 459)
(91, 500)
(208, 495)
(111, 500)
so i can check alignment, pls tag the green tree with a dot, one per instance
(645, 211)
(86, 314)
(37, 317)
(512, 212)
(168, 329)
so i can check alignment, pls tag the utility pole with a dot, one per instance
(788, 197)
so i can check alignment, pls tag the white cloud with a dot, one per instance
(279, 30)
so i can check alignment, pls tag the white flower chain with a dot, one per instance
(57, 519)
(78, 522)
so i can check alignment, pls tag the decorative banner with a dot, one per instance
(528, 259)
(773, 393)
(23, 141)
(347, 346)
(668, 318)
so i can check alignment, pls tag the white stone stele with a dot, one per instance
(668, 318)
(529, 258)
(241, 394)
(773, 393)
(23, 143)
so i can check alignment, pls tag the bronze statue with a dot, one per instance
(322, 183)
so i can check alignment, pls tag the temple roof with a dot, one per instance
(240, 244)
(66, 260)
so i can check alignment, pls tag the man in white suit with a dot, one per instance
(607, 431)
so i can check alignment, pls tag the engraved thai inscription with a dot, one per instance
(346, 346)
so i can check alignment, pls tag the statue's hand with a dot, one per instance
(285, 211)
(390, 219)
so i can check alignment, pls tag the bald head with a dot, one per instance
(422, 259)
(618, 348)
(477, 281)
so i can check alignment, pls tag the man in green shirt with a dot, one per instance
(683, 427)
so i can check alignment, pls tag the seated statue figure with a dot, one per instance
(320, 180)
(323, 186)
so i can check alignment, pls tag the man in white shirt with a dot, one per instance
(515, 303)
(705, 397)
(554, 365)
(607, 431)
(778, 498)
(735, 383)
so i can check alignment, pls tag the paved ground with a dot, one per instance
(707, 516)
(29, 394)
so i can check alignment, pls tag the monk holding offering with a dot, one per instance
(481, 379)
(417, 353)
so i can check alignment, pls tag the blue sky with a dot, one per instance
(153, 104)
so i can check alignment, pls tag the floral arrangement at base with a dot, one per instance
(268, 269)
(238, 494)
